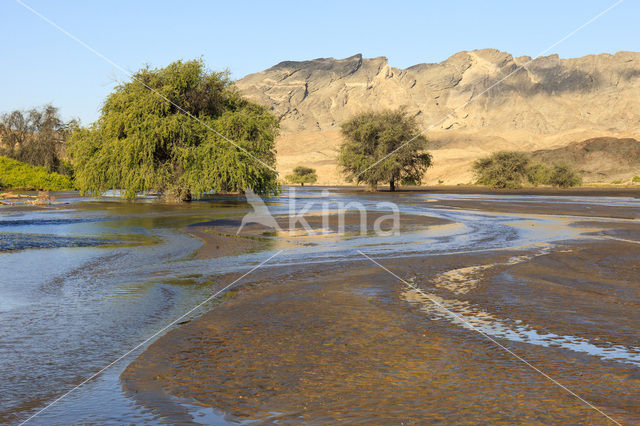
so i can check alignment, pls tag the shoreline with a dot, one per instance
(589, 191)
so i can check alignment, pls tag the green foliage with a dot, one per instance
(538, 174)
(617, 182)
(18, 175)
(302, 175)
(407, 181)
(511, 169)
(370, 137)
(142, 142)
(635, 179)
(564, 177)
(502, 169)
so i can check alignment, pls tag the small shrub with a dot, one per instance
(635, 179)
(617, 182)
(440, 181)
(564, 177)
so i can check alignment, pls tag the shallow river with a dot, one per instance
(82, 284)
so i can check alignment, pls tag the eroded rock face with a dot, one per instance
(472, 103)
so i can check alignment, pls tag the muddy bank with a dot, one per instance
(586, 290)
(341, 345)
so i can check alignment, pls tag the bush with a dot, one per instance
(635, 179)
(502, 169)
(511, 169)
(564, 177)
(17, 175)
(538, 174)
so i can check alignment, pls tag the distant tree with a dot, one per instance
(14, 132)
(503, 169)
(36, 137)
(142, 142)
(564, 177)
(302, 175)
(376, 148)
(511, 169)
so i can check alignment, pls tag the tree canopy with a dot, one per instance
(511, 169)
(302, 175)
(564, 176)
(375, 149)
(503, 169)
(36, 137)
(142, 142)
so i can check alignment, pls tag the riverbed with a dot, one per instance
(422, 325)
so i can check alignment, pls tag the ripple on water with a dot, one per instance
(18, 241)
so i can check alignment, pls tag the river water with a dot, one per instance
(82, 284)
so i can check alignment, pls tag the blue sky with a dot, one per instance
(40, 65)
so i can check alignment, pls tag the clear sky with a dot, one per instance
(40, 65)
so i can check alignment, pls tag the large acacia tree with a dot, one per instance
(383, 147)
(143, 142)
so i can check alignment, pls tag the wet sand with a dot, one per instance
(219, 244)
(228, 237)
(324, 343)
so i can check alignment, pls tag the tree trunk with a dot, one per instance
(301, 183)
(392, 185)
(177, 196)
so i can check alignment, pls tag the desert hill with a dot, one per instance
(598, 159)
(548, 103)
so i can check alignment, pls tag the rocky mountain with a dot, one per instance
(470, 104)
